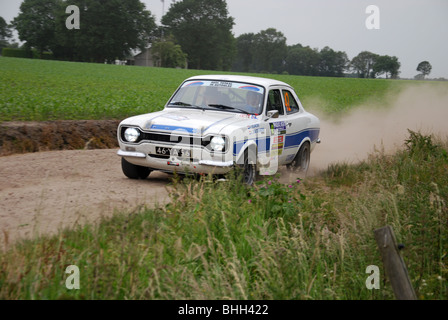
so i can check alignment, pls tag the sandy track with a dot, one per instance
(45, 191)
(48, 190)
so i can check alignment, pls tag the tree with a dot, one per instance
(203, 28)
(265, 51)
(244, 52)
(36, 23)
(363, 64)
(5, 34)
(386, 64)
(302, 60)
(5, 31)
(332, 63)
(425, 68)
(168, 54)
(110, 29)
(270, 50)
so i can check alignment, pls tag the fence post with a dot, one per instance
(394, 265)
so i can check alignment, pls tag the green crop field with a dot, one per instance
(54, 90)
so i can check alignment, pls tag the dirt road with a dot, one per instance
(45, 191)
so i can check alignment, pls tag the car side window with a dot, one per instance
(275, 102)
(290, 103)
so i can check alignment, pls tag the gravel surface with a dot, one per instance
(44, 191)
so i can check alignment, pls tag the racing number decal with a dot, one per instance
(287, 103)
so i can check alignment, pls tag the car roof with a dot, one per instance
(265, 82)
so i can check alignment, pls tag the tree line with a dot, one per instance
(197, 30)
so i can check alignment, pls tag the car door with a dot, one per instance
(296, 124)
(276, 127)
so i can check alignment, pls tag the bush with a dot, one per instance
(24, 53)
(16, 53)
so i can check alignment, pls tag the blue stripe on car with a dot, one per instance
(263, 145)
(292, 140)
(295, 139)
(173, 128)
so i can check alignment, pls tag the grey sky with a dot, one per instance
(412, 30)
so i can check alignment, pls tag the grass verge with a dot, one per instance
(312, 239)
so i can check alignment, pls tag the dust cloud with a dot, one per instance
(350, 139)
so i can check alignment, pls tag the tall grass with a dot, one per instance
(312, 239)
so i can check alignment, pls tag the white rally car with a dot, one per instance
(215, 123)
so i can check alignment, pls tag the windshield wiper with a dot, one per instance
(223, 106)
(184, 104)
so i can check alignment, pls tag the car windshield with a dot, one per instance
(227, 96)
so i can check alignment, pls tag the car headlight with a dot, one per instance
(131, 134)
(218, 144)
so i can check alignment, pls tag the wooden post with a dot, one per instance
(394, 265)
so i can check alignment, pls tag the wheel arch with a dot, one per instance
(304, 140)
(251, 148)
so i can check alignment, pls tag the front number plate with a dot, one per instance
(172, 152)
(163, 151)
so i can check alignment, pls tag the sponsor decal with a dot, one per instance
(278, 128)
(252, 88)
(258, 131)
(192, 84)
(246, 116)
(221, 84)
(253, 126)
(277, 145)
(279, 139)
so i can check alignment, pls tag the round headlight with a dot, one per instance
(218, 144)
(131, 134)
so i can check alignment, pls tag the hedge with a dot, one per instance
(23, 53)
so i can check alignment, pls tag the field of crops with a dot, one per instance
(55, 90)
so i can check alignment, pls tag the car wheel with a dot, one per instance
(301, 161)
(249, 168)
(133, 171)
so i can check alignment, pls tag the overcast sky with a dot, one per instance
(412, 30)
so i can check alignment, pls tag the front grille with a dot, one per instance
(173, 139)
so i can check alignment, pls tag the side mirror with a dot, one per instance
(272, 114)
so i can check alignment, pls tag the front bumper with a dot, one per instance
(176, 164)
(130, 154)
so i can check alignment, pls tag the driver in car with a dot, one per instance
(253, 102)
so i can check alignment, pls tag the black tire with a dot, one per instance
(133, 171)
(249, 168)
(301, 161)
